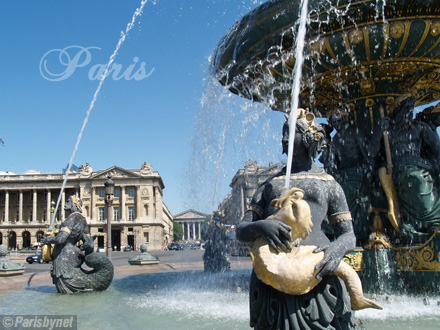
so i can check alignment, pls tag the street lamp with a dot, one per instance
(109, 191)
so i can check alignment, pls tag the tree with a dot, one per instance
(178, 231)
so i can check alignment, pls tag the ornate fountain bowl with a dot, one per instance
(358, 54)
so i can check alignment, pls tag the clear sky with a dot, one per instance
(155, 118)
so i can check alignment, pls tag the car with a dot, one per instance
(175, 246)
(36, 258)
(128, 249)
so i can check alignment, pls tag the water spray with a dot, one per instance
(92, 104)
(297, 70)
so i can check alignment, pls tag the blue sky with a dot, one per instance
(155, 119)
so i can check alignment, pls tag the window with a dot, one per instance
(101, 192)
(116, 193)
(131, 215)
(116, 213)
(100, 230)
(147, 237)
(130, 192)
(30, 216)
(101, 213)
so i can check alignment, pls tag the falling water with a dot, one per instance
(299, 55)
(95, 96)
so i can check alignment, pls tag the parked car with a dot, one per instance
(128, 249)
(175, 246)
(36, 258)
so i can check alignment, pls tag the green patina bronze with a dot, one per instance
(355, 50)
(360, 56)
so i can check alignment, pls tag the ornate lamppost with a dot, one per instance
(109, 191)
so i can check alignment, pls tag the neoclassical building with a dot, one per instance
(192, 222)
(244, 185)
(139, 214)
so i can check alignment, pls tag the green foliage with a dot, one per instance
(178, 231)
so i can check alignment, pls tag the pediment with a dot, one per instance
(190, 214)
(115, 172)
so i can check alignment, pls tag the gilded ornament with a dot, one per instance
(356, 36)
(295, 272)
(435, 28)
(317, 46)
(397, 29)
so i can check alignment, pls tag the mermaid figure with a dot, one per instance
(66, 271)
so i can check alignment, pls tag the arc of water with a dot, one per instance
(92, 104)
(297, 70)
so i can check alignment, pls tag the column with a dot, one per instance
(63, 201)
(243, 201)
(34, 206)
(138, 202)
(7, 206)
(123, 216)
(200, 234)
(92, 202)
(194, 231)
(20, 206)
(48, 201)
(159, 206)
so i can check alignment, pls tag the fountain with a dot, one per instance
(365, 60)
(8, 267)
(143, 258)
(211, 301)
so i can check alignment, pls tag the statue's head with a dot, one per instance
(402, 108)
(308, 134)
(337, 120)
(73, 204)
(430, 115)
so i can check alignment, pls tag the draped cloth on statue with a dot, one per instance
(353, 182)
(327, 306)
(418, 192)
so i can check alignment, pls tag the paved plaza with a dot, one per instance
(38, 274)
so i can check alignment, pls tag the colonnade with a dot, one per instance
(191, 230)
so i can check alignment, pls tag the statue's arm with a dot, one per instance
(361, 144)
(376, 138)
(60, 238)
(432, 140)
(254, 226)
(340, 219)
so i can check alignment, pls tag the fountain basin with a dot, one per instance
(190, 300)
(355, 50)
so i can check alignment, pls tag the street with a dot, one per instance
(120, 259)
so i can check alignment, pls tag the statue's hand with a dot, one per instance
(333, 254)
(44, 241)
(276, 233)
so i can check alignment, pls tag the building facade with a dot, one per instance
(244, 185)
(192, 222)
(139, 214)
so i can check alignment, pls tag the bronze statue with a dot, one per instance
(415, 153)
(269, 307)
(349, 163)
(66, 271)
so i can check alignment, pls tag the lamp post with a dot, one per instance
(109, 191)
